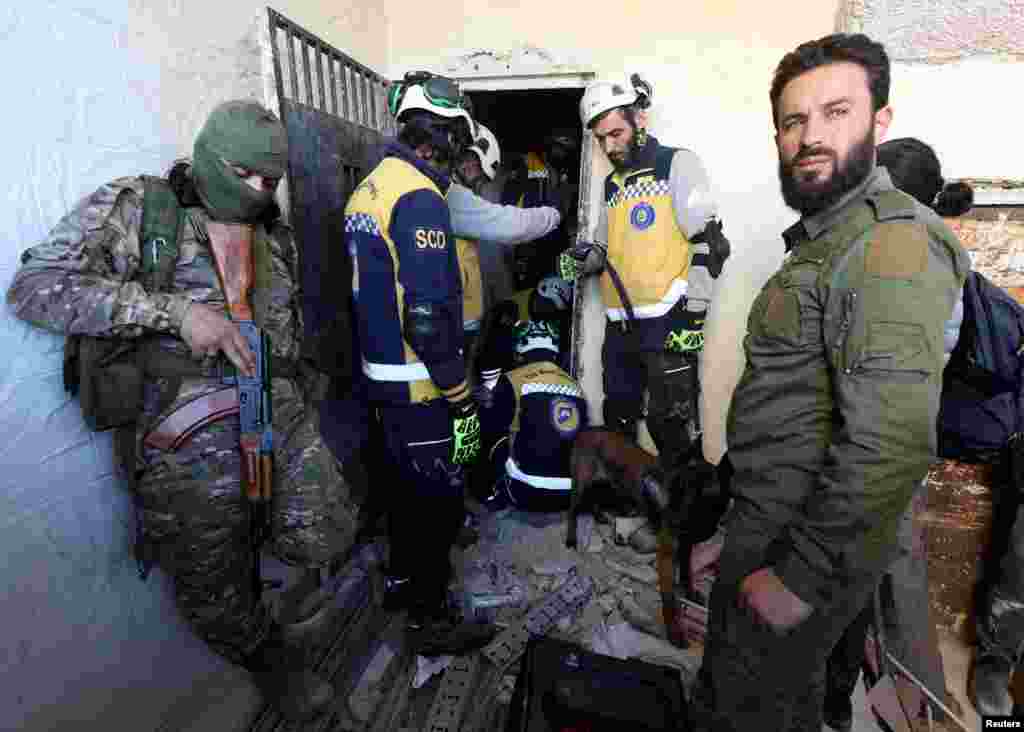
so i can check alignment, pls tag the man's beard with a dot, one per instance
(474, 184)
(441, 162)
(629, 155)
(811, 197)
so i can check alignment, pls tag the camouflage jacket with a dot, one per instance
(84, 278)
(832, 425)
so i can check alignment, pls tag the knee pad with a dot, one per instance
(673, 417)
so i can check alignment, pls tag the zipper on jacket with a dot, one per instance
(849, 304)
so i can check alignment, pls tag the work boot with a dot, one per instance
(990, 686)
(278, 670)
(440, 630)
(469, 532)
(838, 712)
(399, 592)
(498, 501)
(644, 540)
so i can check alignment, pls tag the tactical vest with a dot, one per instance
(371, 205)
(555, 400)
(103, 372)
(468, 251)
(797, 367)
(645, 244)
(107, 374)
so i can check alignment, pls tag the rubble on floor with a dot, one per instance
(518, 562)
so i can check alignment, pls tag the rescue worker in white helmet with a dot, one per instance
(659, 246)
(496, 226)
(551, 302)
(660, 234)
(408, 296)
(478, 165)
(530, 416)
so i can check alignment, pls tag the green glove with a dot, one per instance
(571, 261)
(568, 265)
(465, 432)
(689, 336)
(682, 340)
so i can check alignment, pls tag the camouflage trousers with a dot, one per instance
(195, 516)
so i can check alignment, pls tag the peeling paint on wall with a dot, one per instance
(525, 59)
(938, 31)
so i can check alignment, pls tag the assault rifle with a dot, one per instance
(232, 249)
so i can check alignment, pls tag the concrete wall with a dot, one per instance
(935, 31)
(956, 68)
(97, 90)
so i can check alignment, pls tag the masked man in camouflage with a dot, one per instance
(832, 425)
(100, 273)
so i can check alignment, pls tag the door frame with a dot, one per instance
(588, 314)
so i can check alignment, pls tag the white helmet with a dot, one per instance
(557, 290)
(612, 93)
(427, 92)
(531, 334)
(486, 148)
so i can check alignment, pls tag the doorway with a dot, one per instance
(523, 111)
(539, 136)
(530, 121)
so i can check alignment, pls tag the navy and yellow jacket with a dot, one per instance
(398, 233)
(468, 251)
(646, 245)
(540, 408)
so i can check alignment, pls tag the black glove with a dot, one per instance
(483, 397)
(497, 350)
(718, 246)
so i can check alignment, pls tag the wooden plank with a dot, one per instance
(958, 524)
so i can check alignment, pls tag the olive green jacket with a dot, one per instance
(832, 424)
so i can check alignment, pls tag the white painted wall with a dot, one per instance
(97, 90)
(969, 111)
(711, 66)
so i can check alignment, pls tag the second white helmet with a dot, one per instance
(611, 93)
(532, 334)
(487, 149)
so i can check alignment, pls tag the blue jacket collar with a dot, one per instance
(395, 149)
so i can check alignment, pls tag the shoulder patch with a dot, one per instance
(565, 416)
(897, 250)
(893, 204)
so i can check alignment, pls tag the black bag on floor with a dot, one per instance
(563, 686)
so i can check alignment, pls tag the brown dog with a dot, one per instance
(608, 469)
